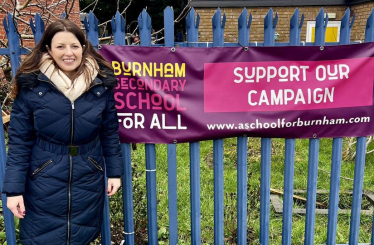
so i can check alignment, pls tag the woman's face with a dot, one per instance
(66, 51)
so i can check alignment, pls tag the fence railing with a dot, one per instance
(192, 24)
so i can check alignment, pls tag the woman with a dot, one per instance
(62, 135)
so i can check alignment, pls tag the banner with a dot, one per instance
(174, 95)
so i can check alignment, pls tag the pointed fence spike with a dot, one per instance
(294, 19)
(144, 22)
(369, 30)
(140, 22)
(32, 26)
(268, 21)
(242, 18)
(294, 29)
(96, 21)
(85, 22)
(192, 28)
(5, 25)
(169, 26)
(275, 22)
(249, 20)
(326, 21)
(216, 18)
(269, 29)
(113, 24)
(218, 28)
(243, 28)
(301, 21)
(149, 22)
(320, 30)
(123, 24)
(353, 20)
(223, 21)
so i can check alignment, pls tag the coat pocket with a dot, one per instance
(95, 164)
(39, 169)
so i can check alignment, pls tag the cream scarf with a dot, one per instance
(63, 82)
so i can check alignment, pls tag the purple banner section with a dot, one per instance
(194, 94)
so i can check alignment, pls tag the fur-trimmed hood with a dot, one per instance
(30, 80)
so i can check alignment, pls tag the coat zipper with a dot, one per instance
(71, 158)
(41, 168)
(70, 169)
(96, 164)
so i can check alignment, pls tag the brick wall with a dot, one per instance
(284, 15)
(362, 13)
(51, 14)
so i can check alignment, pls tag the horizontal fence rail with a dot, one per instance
(118, 24)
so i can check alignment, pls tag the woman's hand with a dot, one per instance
(113, 185)
(16, 205)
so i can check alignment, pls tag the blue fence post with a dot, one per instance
(357, 190)
(92, 26)
(118, 24)
(8, 216)
(172, 194)
(144, 22)
(92, 29)
(289, 163)
(169, 26)
(218, 28)
(150, 153)
(118, 27)
(38, 28)
(195, 193)
(218, 191)
(265, 190)
(192, 28)
(269, 31)
(172, 148)
(243, 31)
(334, 190)
(336, 161)
(321, 25)
(244, 28)
(127, 196)
(369, 37)
(218, 31)
(295, 28)
(192, 38)
(242, 190)
(15, 60)
(346, 26)
(269, 28)
(13, 41)
(360, 163)
(369, 30)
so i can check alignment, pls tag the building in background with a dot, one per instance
(285, 9)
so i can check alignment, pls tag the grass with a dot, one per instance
(230, 181)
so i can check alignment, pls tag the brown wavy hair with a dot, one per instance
(32, 62)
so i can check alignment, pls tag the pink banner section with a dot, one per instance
(181, 95)
(287, 85)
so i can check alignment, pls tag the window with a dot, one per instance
(332, 31)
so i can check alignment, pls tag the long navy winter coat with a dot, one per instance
(58, 151)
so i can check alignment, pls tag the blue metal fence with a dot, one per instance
(192, 24)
